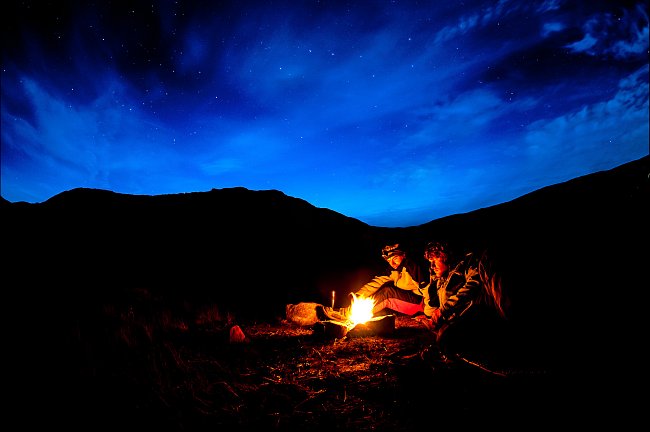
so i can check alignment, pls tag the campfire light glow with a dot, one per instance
(361, 310)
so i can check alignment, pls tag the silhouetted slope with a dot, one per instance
(238, 247)
(574, 256)
(265, 248)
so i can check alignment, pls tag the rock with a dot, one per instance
(237, 335)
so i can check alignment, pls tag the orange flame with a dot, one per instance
(360, 310)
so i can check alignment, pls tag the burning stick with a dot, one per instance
(333, 296)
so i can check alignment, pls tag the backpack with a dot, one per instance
(492, 281)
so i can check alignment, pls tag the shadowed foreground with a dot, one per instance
(144, 366)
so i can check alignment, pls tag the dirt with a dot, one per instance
(139, 371)
(287, 377)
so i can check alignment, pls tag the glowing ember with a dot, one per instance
(361, 310)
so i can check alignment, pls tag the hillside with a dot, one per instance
(236, 237)
(123, 303)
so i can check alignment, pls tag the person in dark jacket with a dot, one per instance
(464, 302)
(401, 288)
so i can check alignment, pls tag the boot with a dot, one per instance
(326, 313)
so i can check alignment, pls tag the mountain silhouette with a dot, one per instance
(252, 252)
(574, 257)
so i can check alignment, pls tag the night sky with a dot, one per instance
(395, 113)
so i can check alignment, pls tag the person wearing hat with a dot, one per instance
(401, 290)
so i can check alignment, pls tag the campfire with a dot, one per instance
(360, 321)
(360, 311)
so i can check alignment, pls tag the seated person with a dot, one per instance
(401, 288)
(464, 305)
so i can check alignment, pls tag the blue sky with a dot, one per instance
(395, 113)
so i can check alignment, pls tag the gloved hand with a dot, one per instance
(425, 320)
(436, 319)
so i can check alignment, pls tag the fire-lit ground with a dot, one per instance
(286, 377)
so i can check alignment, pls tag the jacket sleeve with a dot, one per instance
(458, 301)
(413, 277)
(377, 282)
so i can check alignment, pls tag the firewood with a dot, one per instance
(331, 329)
(377, 326)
